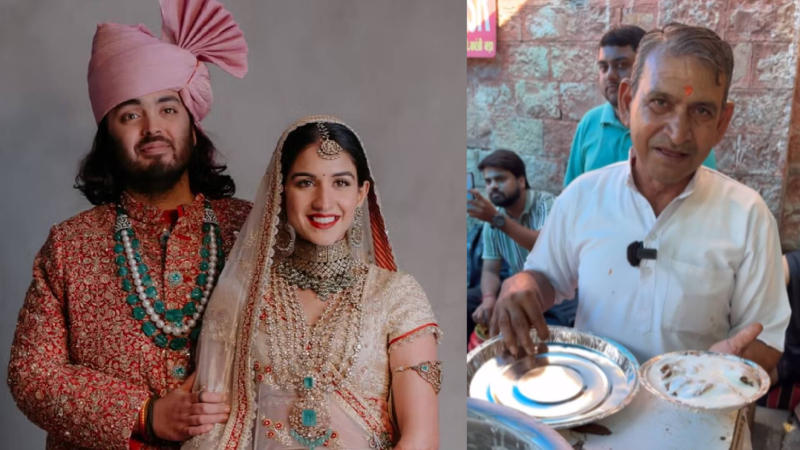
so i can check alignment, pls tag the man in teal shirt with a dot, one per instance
(601, 139)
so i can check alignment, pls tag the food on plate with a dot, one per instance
(704, 379)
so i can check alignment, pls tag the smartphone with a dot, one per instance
(470, 185)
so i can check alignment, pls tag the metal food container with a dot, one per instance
(718, 371)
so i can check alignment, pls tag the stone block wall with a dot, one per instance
(530, 97)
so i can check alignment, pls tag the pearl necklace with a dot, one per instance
(167, 328)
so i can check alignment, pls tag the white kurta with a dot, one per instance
(718, 267)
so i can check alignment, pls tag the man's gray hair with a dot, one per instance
(677, 39)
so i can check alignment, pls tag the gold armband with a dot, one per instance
(430, 371)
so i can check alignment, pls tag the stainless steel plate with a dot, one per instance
(578, 379)
(491, 426)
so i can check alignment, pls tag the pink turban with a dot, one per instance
(129, 62)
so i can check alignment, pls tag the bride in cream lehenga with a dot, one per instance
(316, 337)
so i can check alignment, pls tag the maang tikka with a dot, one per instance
(328, 148)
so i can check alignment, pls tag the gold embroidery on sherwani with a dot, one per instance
(80, 366)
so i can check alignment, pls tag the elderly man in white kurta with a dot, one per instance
(714, 279)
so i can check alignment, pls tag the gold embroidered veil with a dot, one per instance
(229, 321)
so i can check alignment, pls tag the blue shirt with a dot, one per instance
(601, 139)
(498, 245)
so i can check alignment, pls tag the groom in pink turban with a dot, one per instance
(102, 352)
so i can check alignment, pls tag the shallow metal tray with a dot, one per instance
(491, 426)
(579, 378)
(649, 375)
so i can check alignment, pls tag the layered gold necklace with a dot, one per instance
(314, 361)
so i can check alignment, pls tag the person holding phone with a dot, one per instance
(470, 185)
(512, 216)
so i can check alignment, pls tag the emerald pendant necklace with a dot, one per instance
(168, 328)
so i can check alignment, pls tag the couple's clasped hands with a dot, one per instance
(525, 297)
(182, 414)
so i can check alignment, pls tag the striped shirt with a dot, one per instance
(498, 245)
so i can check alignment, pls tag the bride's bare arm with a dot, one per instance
(415, 401)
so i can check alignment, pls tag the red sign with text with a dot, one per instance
(481, 28)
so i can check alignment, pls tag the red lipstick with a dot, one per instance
(323, 221)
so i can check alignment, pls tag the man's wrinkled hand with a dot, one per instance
(736, 344)
(518, 309)
(479, 207)
(181, 414)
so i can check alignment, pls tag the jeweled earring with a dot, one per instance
(355, 233)
(286, 237)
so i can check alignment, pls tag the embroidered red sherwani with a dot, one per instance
(80, 364)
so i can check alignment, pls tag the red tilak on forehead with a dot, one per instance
(688, 90)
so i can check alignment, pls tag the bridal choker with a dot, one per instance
(326, 270)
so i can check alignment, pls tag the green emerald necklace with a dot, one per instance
(168, 328)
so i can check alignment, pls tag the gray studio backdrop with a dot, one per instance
(394, 70)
